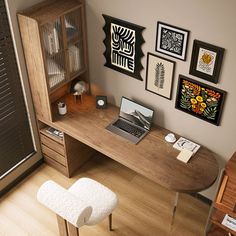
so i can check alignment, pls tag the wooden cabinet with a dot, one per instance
(63, 153)
(225, 202)
(54, 40)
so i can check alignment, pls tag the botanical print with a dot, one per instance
(123, 47)
(200, 100)
(172, 41)
(159, 75)
(206, 61)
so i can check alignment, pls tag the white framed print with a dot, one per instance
(159, 75)
(172, 40)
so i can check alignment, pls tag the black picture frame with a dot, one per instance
(206, 61)
(200, 100)
(123, 43)
(159, 75)
(172, 40)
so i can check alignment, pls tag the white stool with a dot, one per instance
(86, 202)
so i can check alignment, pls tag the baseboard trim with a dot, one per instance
(21, 177)
(202, 198)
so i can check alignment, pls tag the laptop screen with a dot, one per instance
(136, 113)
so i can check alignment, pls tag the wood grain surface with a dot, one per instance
(153, 157)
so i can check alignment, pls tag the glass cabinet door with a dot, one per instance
(74, 38)
(54, 53)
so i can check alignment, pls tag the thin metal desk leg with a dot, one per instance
(174, 208)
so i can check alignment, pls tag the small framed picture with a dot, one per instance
(206, 61)
(200, 100)
(159, 75)
(171, 40)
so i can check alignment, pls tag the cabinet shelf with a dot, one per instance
(225, 201)
(55, 45)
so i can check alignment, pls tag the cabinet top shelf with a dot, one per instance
(55, 9)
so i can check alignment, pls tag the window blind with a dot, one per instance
(16, 143)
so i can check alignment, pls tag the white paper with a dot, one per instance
(229, 222)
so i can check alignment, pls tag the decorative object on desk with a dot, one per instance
(200, 100)
(206, 61)
(185, 155)
(183, 143)
(170, 138)
(159, 75)
(62, 109)
(123, 46)
(101, 102)
(78, 87)
(172, 40)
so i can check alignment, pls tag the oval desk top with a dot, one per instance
(153, 157)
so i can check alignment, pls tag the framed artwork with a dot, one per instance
(200, 100)
(171, 40)
(159, 75)
(206, 61)
(123, 46)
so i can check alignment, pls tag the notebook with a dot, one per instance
(134, 121)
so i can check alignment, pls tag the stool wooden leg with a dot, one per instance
(66, 228)
(110, 222)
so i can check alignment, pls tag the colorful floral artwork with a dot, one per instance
(200, 100)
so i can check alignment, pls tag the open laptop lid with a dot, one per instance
(136, 113)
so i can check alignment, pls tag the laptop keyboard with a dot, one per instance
(129, 128)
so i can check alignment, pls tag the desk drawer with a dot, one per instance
(52, 144)
(54, 155)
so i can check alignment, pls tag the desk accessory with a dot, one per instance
(185, 155)
(78, 87)
(101, 102)
(170, 138)
(62, 109)
(183, 143)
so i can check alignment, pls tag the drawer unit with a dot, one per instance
(52, 144)
(53, 155)
(53, 149)
(63, 153)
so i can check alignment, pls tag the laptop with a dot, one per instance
(134, 121)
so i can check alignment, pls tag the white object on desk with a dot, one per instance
(184, 143)
(170, 138)
(185, 155)
(62, 109)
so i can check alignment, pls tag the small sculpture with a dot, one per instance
(78, 87)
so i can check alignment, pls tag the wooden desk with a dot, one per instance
(153, 157)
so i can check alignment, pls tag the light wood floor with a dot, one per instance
(144, 207)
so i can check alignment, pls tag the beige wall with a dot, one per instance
(209, 21)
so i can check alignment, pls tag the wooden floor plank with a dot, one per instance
(144, 207)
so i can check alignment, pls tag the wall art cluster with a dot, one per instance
(123, 53)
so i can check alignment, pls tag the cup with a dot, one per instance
(62, 109)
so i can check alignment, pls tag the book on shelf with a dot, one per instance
(183, 143)
(229, 222)
(54, 132)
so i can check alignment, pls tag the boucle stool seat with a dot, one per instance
(86, 202)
